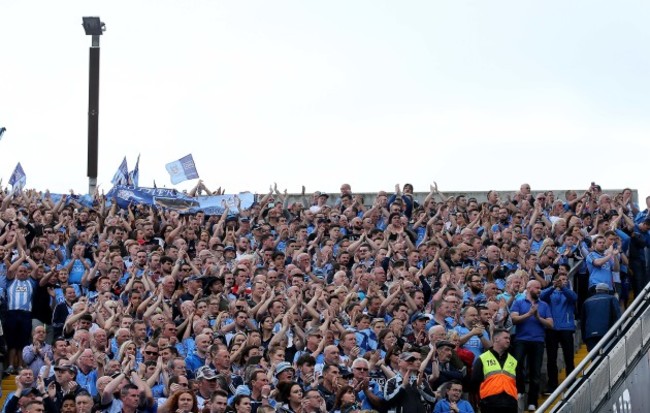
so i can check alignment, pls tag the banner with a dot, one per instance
(172, 199)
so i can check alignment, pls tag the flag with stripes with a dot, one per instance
(134, 175)
(121, 177)
(18, 179)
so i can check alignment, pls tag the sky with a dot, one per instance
(474, 95)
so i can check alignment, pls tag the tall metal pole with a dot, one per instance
(93, 115)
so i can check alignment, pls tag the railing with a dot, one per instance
(593, 379)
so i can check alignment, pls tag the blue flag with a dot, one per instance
(182, 169)
(18, 179)
(134, 175)
(121, 177)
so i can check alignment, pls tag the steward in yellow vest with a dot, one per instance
(495, 376)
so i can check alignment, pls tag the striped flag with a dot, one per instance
(134, 175)
(18, 179)
(121, 177)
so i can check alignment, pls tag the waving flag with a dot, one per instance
(121, 177)
(182, 169)
(134, 175)
(18, 179)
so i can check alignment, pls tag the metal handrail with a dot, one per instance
(614, 331)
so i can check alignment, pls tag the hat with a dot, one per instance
(244, 219)
(324, 194)
(257, 226)
(213, 280)
(345, 372)
(285, 365)
(602, 287)
(242, 390)
(445, 343)
(194, 278)
(30, 390)
(68, 367)
(406, 356)
(419, 316)
(228, 248)
(231, 218)
(205, 372)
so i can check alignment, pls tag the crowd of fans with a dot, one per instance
(328, 304)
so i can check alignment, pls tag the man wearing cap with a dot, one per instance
(408, 390)
(24, 399)
(207, 383)
(64, 380)
(600, 313)
(442, 370)
(284, 372)
(494, 374)
(418, 336)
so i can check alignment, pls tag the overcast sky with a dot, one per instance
(476, 95)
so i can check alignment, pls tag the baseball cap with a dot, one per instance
(205, 372)
(419, 316)
(406, 356)
(602, 287)
(68, 367)
(445, 343)
(229, 248)
(30, 390)
(242, 390)
(285, 365)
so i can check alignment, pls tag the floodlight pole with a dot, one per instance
(93, 99)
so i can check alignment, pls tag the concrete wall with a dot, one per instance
(480, 196)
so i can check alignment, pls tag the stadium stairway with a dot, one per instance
(8, 387)
(577, 358)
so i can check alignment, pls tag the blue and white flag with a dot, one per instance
(182, 169)
(18, 179)
(2, 132)
(121, 177)
(134, 175)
